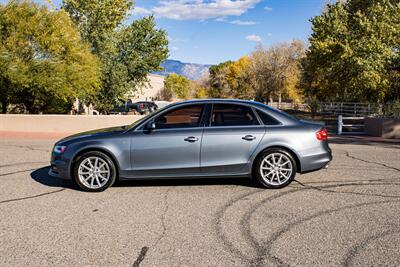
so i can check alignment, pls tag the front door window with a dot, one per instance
(183, 117)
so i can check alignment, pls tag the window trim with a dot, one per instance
(260, 123)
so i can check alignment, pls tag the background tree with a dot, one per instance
(353, 51)
(165, 94)
(179, 85)
(43, 62)
(127, 52)
(198, 89)
(240, 79)
(98, 20)
(277, 71)
(218, 82)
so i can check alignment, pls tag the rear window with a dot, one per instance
(281, 113)
(267, 119)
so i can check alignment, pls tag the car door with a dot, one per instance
(173, 148)
(230, 139)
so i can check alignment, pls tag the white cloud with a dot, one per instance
(253, 38)
(140, 11)
(237, 21)
(221, 19)
(243, 22)
(267, 8)
(198, 9)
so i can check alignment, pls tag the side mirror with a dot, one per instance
(151, 125)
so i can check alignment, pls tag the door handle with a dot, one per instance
(191, 139)
(249, 137)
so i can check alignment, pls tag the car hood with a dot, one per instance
(94, 133)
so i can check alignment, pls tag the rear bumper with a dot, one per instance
(315, 162)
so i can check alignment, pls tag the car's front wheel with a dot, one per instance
(275, 168)
(94, 171)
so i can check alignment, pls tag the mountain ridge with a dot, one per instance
(192, 71)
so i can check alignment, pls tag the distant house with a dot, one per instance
(147, 93)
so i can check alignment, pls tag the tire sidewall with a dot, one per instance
(257, 173)
(106, 158)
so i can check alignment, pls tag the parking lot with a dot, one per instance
(347, 215)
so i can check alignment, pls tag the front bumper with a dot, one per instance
(59, 167)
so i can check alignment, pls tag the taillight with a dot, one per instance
(322, 134)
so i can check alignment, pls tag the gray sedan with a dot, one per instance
(197, 138)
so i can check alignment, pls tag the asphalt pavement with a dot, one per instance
(347, 215)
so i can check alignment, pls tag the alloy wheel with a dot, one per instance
(94, 172)
(276, 168)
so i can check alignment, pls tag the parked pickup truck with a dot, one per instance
(127, 106)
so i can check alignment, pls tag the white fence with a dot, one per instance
(342, 125)
(334, 108)
(348, 109)
(289, 105)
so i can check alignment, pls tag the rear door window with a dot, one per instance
(232, 115)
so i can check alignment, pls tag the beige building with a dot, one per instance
(148, 93)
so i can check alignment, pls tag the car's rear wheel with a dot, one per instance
(94, 171)
(275, 168)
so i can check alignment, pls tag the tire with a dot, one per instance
(98, 178)
(275, 168)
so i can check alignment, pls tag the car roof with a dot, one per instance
(217, 100)
(280, 115)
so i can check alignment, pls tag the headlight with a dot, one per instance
(60, 149)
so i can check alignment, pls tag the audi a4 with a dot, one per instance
(193, 139)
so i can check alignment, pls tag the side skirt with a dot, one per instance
(239, 175)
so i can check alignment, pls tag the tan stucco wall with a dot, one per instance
(61, 123)
(149, 92)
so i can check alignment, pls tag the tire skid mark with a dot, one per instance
(246, 232)
(218, 221)
(21, 171)
(23, 163)
(29, 148)
(267, 245)
(347, 154)
(30, 197)
(245, 222)
(374, 169)
(246, 219)
(219, 231)
(356, 249)
(353, 181)
(350, 193)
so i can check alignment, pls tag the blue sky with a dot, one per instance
(212, 31)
